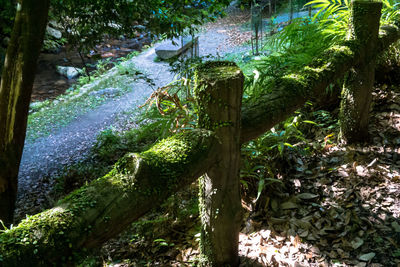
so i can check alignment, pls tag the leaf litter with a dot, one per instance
(340, 208)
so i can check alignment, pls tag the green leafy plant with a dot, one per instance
(334, 15)
(85, 22)
(285, 52)
(174, 113)
(261, 175)
(172, 108)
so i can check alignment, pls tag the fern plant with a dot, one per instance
(334, 15)
(304, 39)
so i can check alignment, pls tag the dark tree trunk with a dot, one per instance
(358, 85)
(15, 93)
(218, 92)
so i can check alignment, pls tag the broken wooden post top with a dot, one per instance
(219, 88)
(363, 14)
(213, 71)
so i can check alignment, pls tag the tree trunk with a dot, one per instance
(219, 92)
(358, 85)
(94, 213)
(15, 93)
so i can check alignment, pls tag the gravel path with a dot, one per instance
(70, 144)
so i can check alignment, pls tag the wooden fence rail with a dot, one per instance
(139, 182)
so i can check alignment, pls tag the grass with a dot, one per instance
(47, 116)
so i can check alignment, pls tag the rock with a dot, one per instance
(140, 27)
(53, 32)
(35, 106)
(54, 24)
(357, 242)
(69, 72)
(105, 92)
(133, 44)
(146, 40)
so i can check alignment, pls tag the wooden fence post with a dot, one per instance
(218, 92)
(357, 89)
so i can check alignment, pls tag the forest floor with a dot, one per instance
(337, 206)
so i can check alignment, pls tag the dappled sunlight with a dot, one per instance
(339, 206)
(268, 248)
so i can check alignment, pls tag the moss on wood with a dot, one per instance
(94, 213)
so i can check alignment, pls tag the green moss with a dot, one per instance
(210, 77)
(170, 158)
(36, 238)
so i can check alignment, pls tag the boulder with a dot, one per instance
(53, 32)
(69, 72)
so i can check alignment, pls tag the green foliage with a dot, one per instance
(390, 12)
(287, 51)
(109, 147)
(265, 159)
(112, 145)
(7, 14)
(295, 46)
(334, 15)
(85, 22)
(388, 65)
(51, 44)
(172, 108)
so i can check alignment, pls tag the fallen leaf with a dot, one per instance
(356, 243)
(307, 196)
(288, 205)
(396, 227)
(367, 257)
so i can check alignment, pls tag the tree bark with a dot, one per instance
(218, 93)
(358, 85)
(15, 93)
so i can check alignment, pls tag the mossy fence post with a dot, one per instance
(219, 90)
(357, 89)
